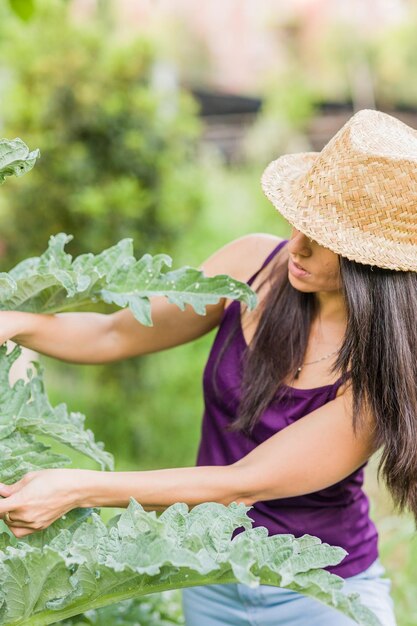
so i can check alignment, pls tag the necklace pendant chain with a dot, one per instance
(323, 358)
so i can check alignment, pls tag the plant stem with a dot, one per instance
(51, 617)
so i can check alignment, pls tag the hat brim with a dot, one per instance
(281, 183)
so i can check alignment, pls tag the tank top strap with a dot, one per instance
(341, 381)
(268, 259)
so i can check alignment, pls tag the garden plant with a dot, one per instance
(80, 564)
(119, 159)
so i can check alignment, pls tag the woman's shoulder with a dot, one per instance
(242, 257)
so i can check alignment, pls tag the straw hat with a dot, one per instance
(358, 196)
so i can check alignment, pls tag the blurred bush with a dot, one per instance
(118, 159)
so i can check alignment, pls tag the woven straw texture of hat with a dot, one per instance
(358, 196)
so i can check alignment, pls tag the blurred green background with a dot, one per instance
(155, 120)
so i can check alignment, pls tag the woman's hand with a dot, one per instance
(39, 499)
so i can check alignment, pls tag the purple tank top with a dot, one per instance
(338, 515)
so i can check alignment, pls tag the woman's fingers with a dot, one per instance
(10, 507)
(18, 523)
(6, 508)
(11, 496)
(19, 527)
(11, 519)
(6, 490)
(38, 499)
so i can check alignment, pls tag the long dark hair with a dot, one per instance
(379, 351)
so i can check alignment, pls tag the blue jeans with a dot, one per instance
(239, 605)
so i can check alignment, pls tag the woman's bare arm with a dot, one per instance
(97, 338)
(315, 452)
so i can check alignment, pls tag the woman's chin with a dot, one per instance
(300, 284)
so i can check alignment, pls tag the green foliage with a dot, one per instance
(54, 282)
(160, 609)
(25, 411)
(27, 417)
(119, 160)
(15, 158)
(24, 9)
(399, 555)
(118, 156)
(85, 564)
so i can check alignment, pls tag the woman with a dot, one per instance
(298, 393)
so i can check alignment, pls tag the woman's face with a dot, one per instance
(312, 268)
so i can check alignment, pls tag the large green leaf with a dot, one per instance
(15, 158)
(25, 412)
(54, 282)
(20, 454)
(138, 553)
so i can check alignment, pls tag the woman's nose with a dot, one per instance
(299, 243)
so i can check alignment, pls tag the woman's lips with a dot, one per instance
(296, 270)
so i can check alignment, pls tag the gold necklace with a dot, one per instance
(327, 356)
